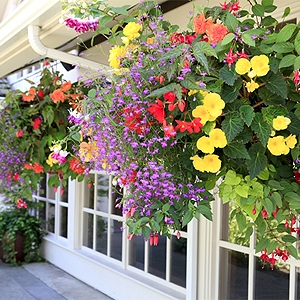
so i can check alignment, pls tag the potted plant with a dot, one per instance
(20, 233)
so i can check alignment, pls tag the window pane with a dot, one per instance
(137, 252)
(116, 240)
(116, 195)
(42, 187)
(42, 214)
(178, 260)
(89, 190)
(233, 275)
(230, 231)
(298, 283)
(102, 192)
(271, 284)
(51, 217)
(64, 196)
(101, 238)
(63, 222)
(157, 258)
(88, 226)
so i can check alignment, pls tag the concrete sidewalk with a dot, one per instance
(43, 281)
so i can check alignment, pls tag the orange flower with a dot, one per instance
(58, 96)
(216, 33)
(30, 95)
(37, 168)
(28, 166)
(66, 86)
(201, 24)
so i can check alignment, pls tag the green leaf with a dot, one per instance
(258, 10)
(268, 21)
(241, 221)
(289, 239)
(297, 63)
(123, 10)
(247, 38)
(146, 231)
(206, 48)
(231, 178)
(247, 114)
(258, 160)
(261, 128)
(297, 43)
(286, 12)
(262, 244)
(287, 61)
(161, 91)
(293, 251)
(205, 210)
(276, 84)
(188, 216)
(173, 53)
(200, 57)
(284, 47)
(285, 33)
(276, 198)
(267, 2)
(232, 125)
(269, 205)
(230, 93)
(231, 23)
(273, 184)
(228, 39)
(236, 150)
(242, 190)
(48, 114)
(269, 9)
(104, 20)
(227, 75)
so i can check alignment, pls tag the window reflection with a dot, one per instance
(137, 252)
(101, 235)
(88, 228)
(157, 258)
(233, 275)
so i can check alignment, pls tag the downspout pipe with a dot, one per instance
(40, 48)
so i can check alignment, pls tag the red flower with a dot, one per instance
(40, 94)
(28, 166)
(157, 110)
(243, 54)
(224, 6)
(183, 126)
(76, 166)
(37, 168)
(234, 7)
(16, 176)
(169, 130)
(297, 177)
(196, 125)
(230, 57)
(170, 96)
(36, 123)
(21, 204)
(19, 133)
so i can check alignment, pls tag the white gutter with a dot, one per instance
(38, 47)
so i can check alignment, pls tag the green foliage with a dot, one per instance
(18, 221)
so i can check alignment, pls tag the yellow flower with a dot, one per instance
(214, 104)
(115, 55)
(131, 30)
(125, 40)
(277, 145)
(211, 163)
(281, 123)
(218, 138)
(242, 66)
(252, 86)
(260, 64)
(291, 141)
(197, 163)
(51, 161)
(251, 74)
(205, 145)
(201, 112)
